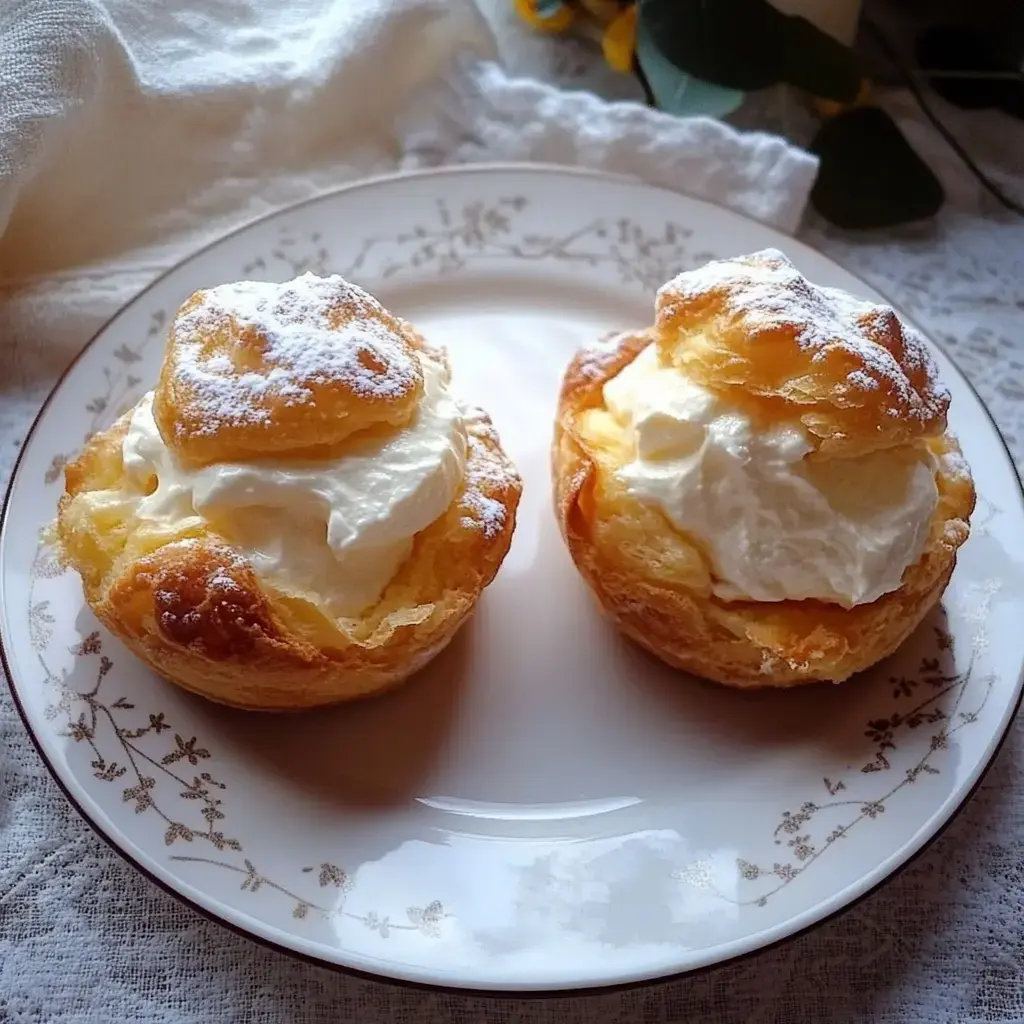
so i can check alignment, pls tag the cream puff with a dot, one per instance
(300, 512)
(760, 489)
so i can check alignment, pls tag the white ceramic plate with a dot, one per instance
(545, 807)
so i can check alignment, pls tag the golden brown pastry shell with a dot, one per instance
(660, 596)
(195, 612)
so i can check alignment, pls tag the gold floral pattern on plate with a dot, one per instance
(425, 920)
(800, 832)
(479, 232)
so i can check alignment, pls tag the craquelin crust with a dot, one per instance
(190, 606)
(656, 584)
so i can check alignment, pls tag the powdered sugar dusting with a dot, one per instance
(955, 465)
(594, 359)
(487, 514)
(295, 346)
(486, 473)
(765, 292)
(862, 380)
(221, 579)
(479, 424)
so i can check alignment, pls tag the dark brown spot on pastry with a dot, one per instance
(209, 605)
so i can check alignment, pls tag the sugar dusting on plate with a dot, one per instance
(285, 345)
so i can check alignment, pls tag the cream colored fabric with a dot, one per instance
(127, 124)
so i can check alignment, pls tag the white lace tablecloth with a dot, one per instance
(944, 941)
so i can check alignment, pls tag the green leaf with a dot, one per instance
(749, 44)
(548, 8)
(677, 92)
(869, 177)
(726, 42)
(814, 61)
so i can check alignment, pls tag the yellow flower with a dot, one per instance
(619, 39)
(617, 24)
(830, 108)
(560, 18)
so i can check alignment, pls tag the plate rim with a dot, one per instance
(890, 868)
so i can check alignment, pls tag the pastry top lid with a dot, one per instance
(856, 376)
(256, 367)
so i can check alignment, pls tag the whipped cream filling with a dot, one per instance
(775, 525)
(337, 529)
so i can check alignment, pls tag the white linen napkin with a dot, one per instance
(131, 131)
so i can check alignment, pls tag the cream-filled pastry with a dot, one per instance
(760, 488)
(301, 511)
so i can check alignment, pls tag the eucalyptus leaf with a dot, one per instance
(869, 176)
(677, 92)
(749, 44)
(812, 60)
(727, 42)
(548, 8)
